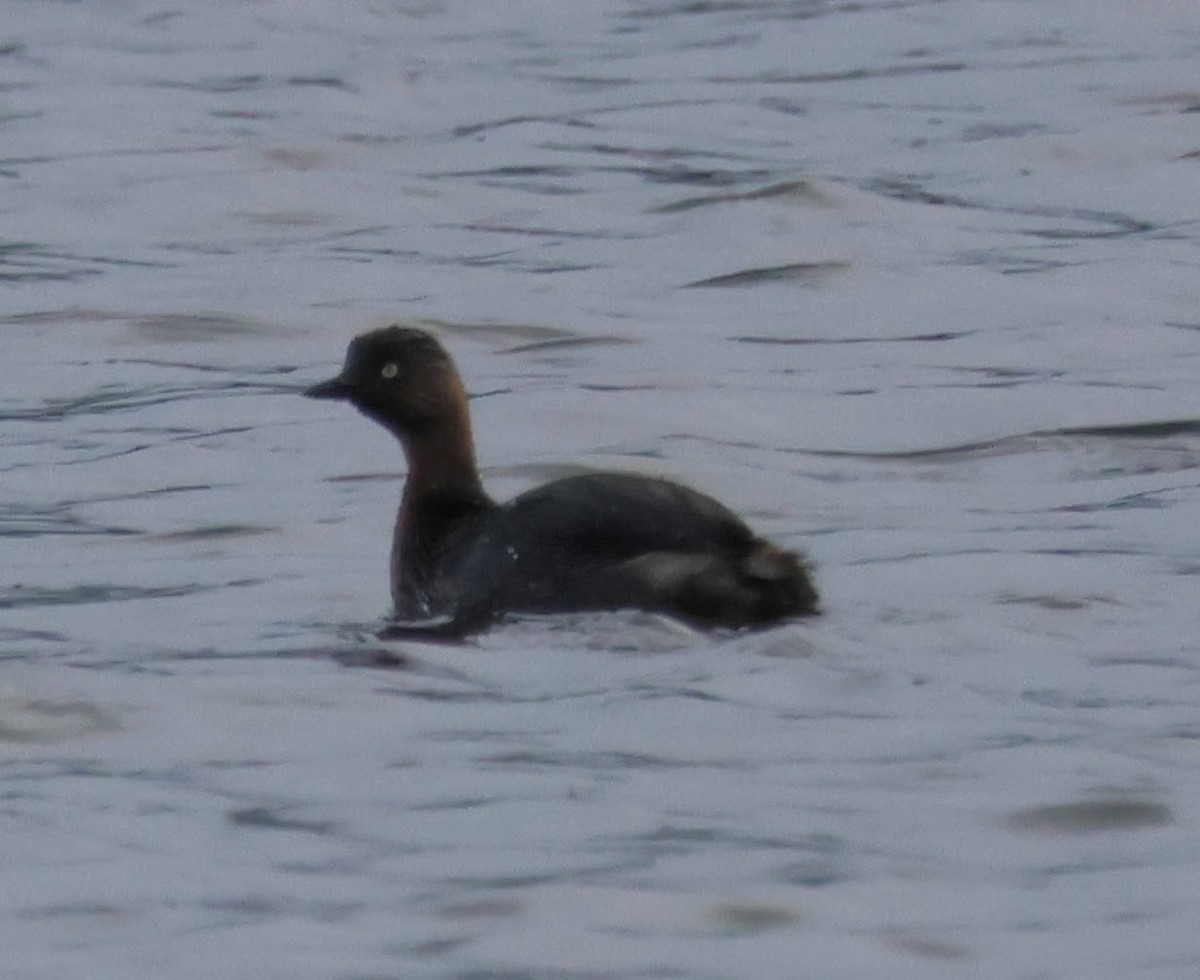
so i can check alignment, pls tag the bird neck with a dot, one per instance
(441, 458)
(442, 494)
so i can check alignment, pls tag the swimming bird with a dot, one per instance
(598, 541)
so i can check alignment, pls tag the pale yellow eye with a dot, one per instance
(390, 370)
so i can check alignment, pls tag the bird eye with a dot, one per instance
(390, 370)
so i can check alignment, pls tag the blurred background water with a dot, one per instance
(912, 285)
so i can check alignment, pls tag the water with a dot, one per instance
(912, 285)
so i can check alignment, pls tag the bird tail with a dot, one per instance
(781, 580)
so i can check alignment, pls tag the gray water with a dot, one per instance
(912, 285)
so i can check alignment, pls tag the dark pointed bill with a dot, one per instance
(333, 388)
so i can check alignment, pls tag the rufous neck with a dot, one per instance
(441, 460)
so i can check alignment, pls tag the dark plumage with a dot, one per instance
(597, 541)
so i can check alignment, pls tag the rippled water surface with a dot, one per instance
(913, 285)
